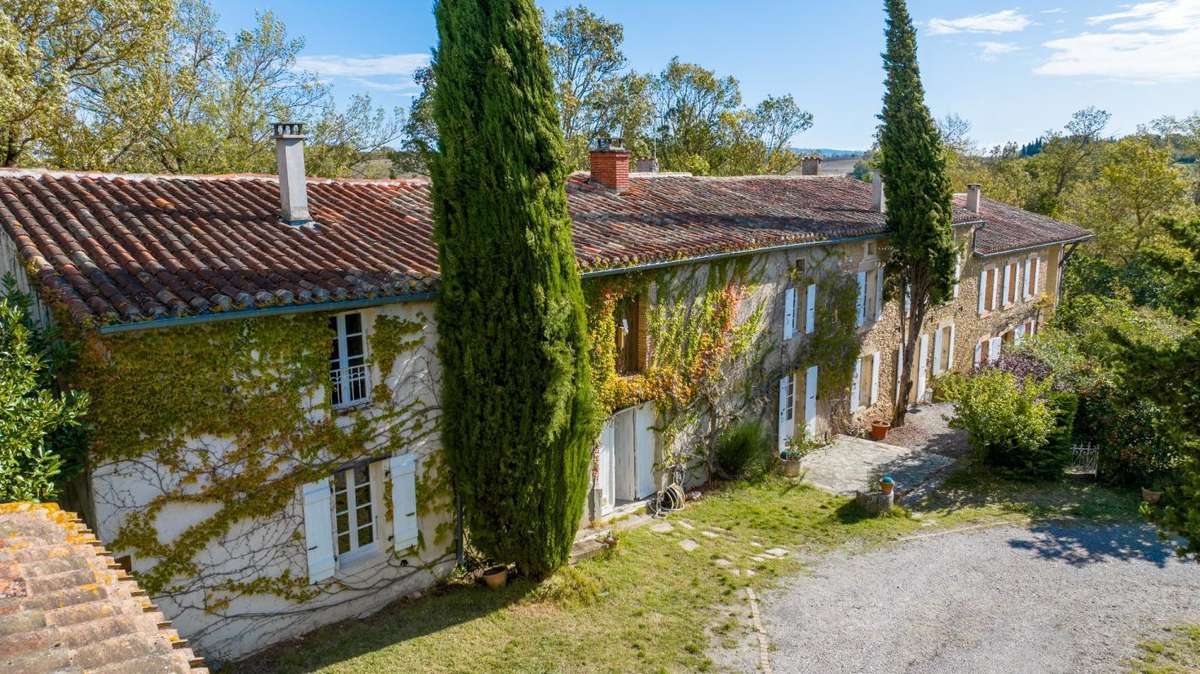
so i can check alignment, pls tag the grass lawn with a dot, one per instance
(1177, 651)
(647, 605)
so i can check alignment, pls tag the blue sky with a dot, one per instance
(1012, 70)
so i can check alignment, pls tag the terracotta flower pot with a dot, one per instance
(496, 577)
(886, 487)
(879, 430)
(1150, 496)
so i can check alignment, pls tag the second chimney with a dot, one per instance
(810, 166)
(878, 198)
(974, 197)
(293, 191)
(610, 163)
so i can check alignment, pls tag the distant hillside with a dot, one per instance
(828, 153)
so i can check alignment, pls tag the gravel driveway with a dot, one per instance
(1048, 598)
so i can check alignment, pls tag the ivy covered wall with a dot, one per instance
(204, 437)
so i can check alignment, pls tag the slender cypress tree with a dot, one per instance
(518, 413)
(922, 248)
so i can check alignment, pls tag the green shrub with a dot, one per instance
(1050, 462)
(948, 388)
(1007, 424)
(742, 449)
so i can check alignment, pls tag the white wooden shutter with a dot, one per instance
(922, 366)
(907, 299)
(318, 530)
(874, 377)
(810, 402)
(854, 386)
(789, 313)
(787, 424)
(978, 354)
(994, 349)
(957, 272)
(937, 351)
(645, 449)
(1019, 334)
(878, 293)
(810, 309)
(404, 501)
(1028, 289)
(1037, 267)
(982, 290)
(899, 368)
(950, 353)
(1007, 276)
(996, 288)
(860, 305)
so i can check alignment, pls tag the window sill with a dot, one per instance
(342, 410)
(356, 561)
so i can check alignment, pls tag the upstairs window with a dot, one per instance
(988, 290)
(630, 335)
(348, 376)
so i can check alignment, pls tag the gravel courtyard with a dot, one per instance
(1045, 598)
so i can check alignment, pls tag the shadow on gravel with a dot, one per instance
(1081, 546)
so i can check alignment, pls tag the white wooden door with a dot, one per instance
(810, 402)
(787, 407)
(624, 443)
(607, 482)
(645, 450)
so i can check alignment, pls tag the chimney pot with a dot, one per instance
(289, 156)
(610, 163)
(810, 166)
(974, 197)
(878, 197)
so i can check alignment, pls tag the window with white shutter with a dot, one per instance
(810, 402)
(874, 378)
(810, 309)
(878, 294)
(983, 293)
(789, 313)
(1027, 289)
(354, 509)
(994, 349)
(860, 303)
(1007, 283)
(403, 473)
(1035, 275)
(318, 530)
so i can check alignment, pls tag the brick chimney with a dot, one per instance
(974, 197)
(289, 155)
(878, 198)
(810, 166)
(610, 163)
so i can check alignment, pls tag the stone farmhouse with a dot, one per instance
(260, 352)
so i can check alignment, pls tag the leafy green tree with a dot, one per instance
(1180, 261)
(1137, 185)
(519, 418)
(922, 248)
(61, 63)
(1066, 159)
(31, 411)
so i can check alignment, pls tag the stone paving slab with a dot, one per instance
(849, 464)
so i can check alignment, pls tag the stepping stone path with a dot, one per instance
(710, 534)
(685, 524)
(777, 552)
(723, 563)
(662, 528)
(688, 544)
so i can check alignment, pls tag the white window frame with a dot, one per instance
(354, 511)
(345, 376)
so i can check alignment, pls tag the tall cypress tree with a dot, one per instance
(518, 419)
(913, 164)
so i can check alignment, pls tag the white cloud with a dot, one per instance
(1005, 21)
(1148, 42)
(1056, 10)
(991, 50)
(331, 65)
(1163, 15)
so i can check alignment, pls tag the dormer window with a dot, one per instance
(630, 335)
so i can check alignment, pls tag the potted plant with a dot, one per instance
(879, 430)
(496, 576)
(887, 484)
(791, 463)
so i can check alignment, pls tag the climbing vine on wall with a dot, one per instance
(697, 336)
(834, 345)
(230, 419)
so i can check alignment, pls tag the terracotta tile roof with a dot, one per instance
(65, 606)
(128, 248)
(1010, 228)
